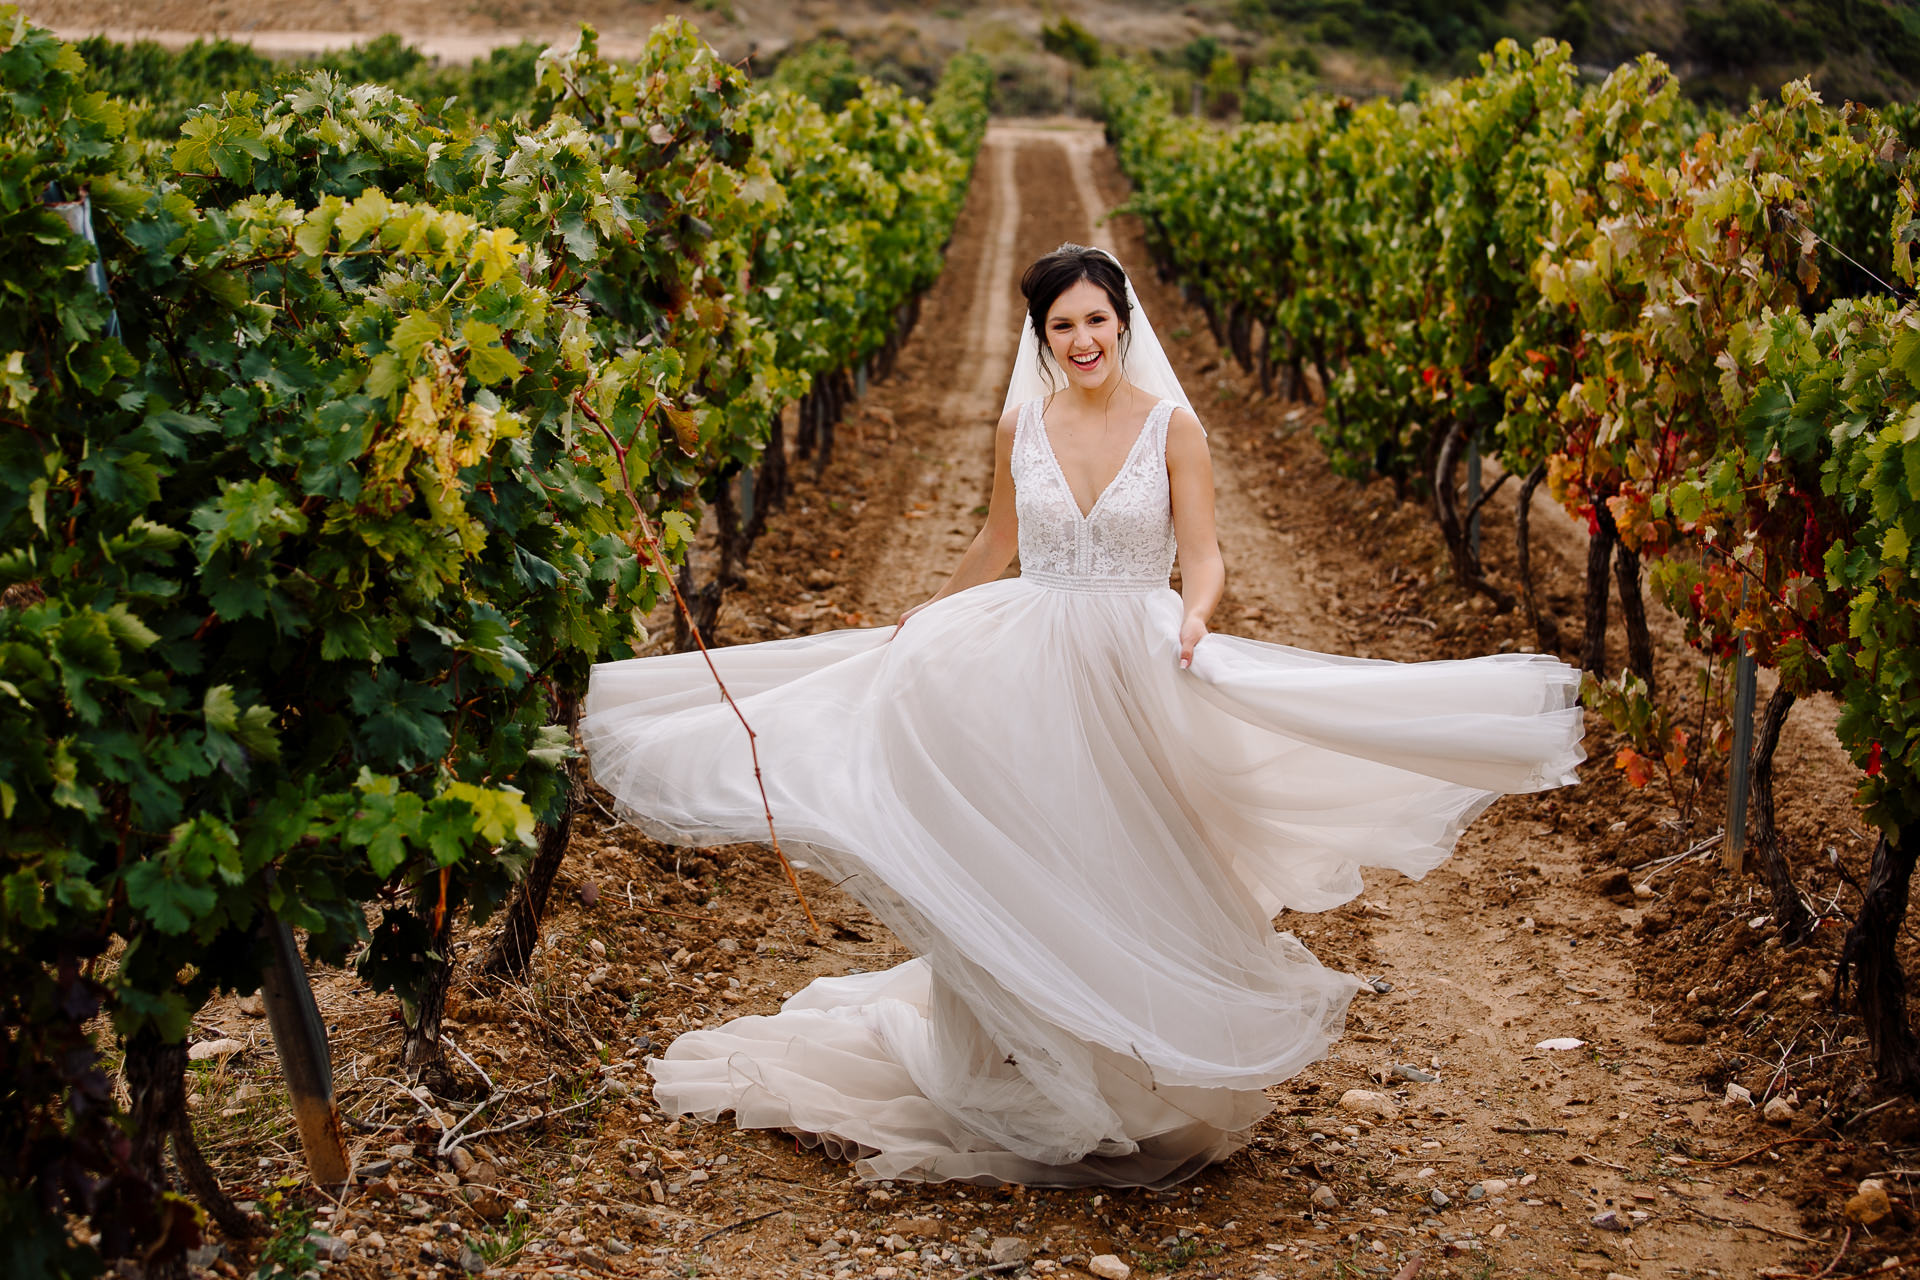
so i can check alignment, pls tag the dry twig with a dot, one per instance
(1839, 1253)
(744, 1222)
(1878, 1106)
(450, 1138)
(1752, 1226)
(537, 1116)
(1760, 1150)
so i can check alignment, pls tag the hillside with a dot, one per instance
(1725, 49)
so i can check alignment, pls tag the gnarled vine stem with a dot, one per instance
(652, 539)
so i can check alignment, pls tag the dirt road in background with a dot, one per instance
(1481, 1153)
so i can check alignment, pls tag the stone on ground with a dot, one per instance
(1367, 1102)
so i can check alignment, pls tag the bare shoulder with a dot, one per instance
(1184, 432)
(1009, 422)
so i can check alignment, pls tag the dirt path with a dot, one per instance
(1503, 947)
(1499, 1167)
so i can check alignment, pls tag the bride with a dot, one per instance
(1078, 808)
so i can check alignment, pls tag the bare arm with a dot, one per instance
(1203, 574)
(992, 548)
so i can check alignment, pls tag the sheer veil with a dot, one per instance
(1145, 363)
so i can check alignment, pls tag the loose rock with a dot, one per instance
(1108, 1266)
(331, 1248)
(1737, 1096)
(487, 1203)
(1440, 1198)
(1869, 1205)
(1008, 1249)
(1367, 1102)
(1611, 1221)
(1778, 1111)
(1323, 1197)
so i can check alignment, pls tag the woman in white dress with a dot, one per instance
(1078, 808)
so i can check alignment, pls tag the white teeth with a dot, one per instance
(1086, 362)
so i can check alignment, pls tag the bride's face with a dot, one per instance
(1084, 333)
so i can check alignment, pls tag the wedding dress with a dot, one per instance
(1083, 844)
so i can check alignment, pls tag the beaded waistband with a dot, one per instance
(1089, 585)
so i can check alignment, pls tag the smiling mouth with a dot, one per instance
(1087, 361)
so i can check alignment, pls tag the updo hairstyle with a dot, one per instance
(1054, 274)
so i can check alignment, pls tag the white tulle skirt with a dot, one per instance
(1084, 846)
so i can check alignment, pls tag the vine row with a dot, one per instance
(319, 424)
(1696, 328)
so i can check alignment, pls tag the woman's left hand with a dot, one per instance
(1192, 632)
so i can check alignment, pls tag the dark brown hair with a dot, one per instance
(1055, 273)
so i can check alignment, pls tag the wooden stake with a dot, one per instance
(300, 1040)
(1733, 854)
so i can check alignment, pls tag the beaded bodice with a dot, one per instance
(1125, 543)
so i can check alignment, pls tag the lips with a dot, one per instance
(1086, 362)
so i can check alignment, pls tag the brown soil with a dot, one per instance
(1530, 932)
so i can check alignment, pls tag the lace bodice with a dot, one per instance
(1125, 543)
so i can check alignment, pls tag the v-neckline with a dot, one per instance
(1046, 439)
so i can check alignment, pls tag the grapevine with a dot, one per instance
(1645, 306)
(316, 517)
